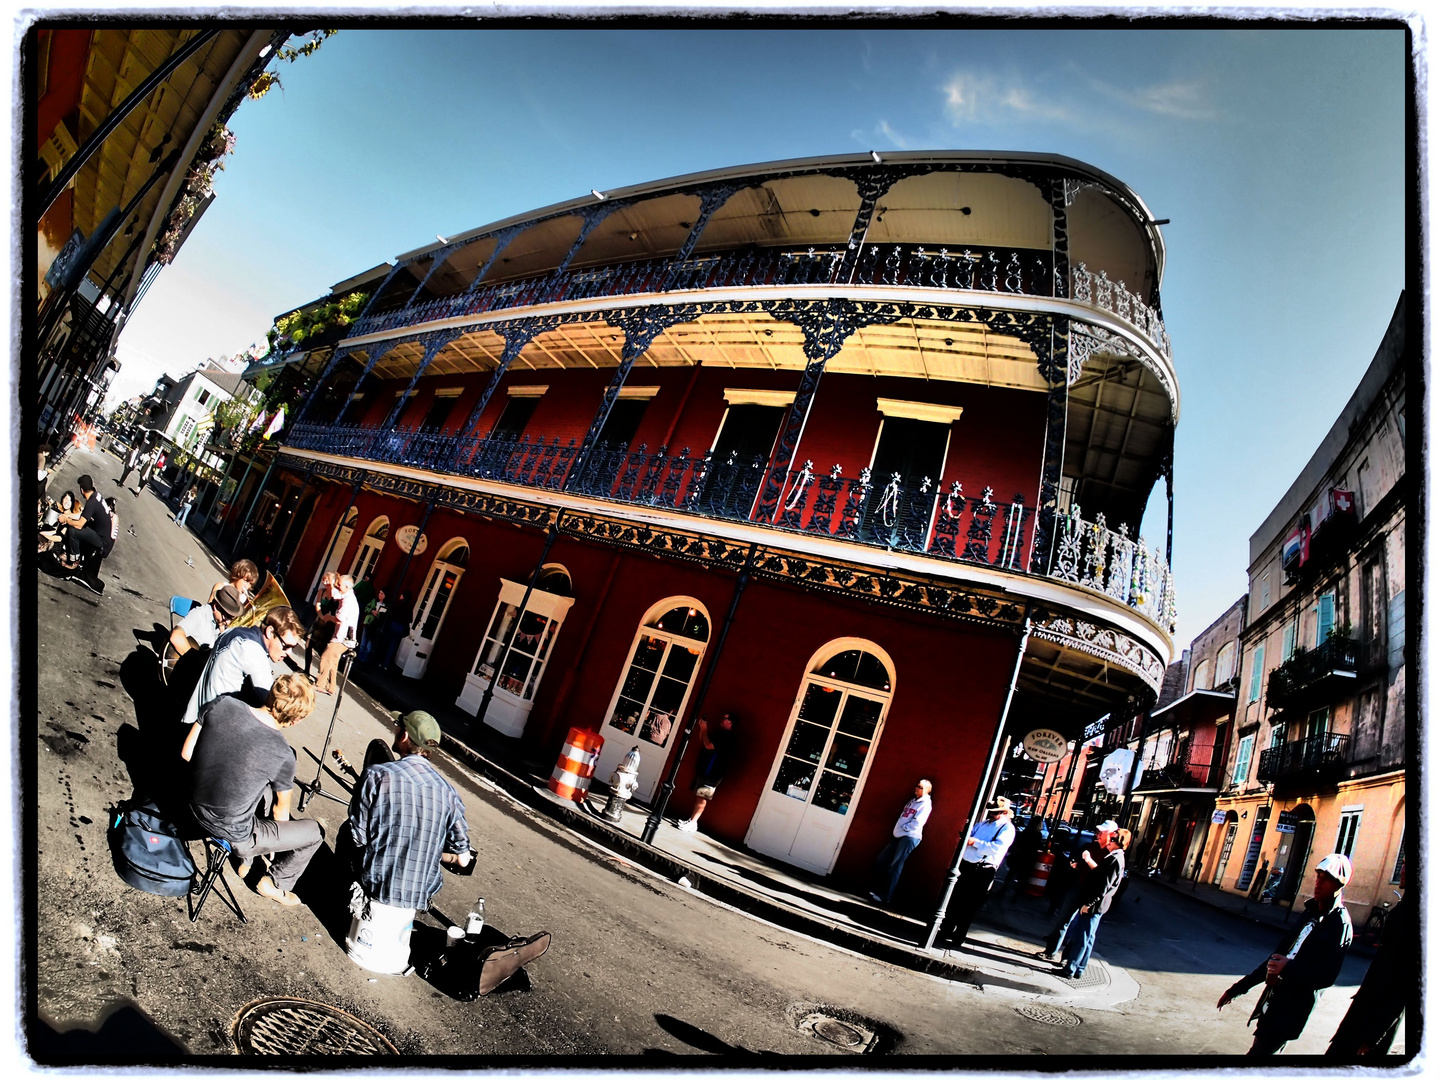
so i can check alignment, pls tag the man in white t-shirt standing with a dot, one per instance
(904, 839)
(347, 615)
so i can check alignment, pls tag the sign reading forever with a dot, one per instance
(411, 540)
(1045, 746)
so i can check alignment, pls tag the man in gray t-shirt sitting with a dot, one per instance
(240, 758)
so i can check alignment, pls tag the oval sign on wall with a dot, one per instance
(1045, 746)
(406, 540)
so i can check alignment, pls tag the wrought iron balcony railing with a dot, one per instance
(1000, 270)
(1177, 774)
(1310, 672)
(920, 518)
(1090, 554)
(1319, 757)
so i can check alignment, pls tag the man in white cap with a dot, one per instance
(1096, 892)
(1305, 963)
(1086, 862)
(984, 849)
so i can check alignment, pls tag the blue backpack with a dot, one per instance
(148, 851)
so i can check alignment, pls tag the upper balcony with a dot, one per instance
(936, 520)
(1314, 676)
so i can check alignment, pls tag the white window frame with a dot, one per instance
(363, 561)
(1225, 663)
(1349, 818)
(1243, 753)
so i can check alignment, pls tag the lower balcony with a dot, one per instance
(1320, 758)
(919, 518)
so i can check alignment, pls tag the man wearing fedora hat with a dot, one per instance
(985, 847)
(206, 622)
(1305, 963)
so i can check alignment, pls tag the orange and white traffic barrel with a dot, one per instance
(571, 778)
(1039, 874)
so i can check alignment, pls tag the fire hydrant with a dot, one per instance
(622, 785)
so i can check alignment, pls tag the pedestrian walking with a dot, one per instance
(1087, 860)
(186, 502)
(372, 622)
(904, 839)
(1370, 1025)
(148, 468)
(1096, 893)
(132, 458)
(985, 847)
(323, 628)
(1305, 963)
(716, 745)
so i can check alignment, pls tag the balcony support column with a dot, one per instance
(440, 258)
(517, 335)
(255, 499)
(376, 352)
(1055, 369)
(299, 498)
(319, 387)
(434, 344)
(502, 241)
(380, 289)
(711, 199)
(641, 328)
(1060, 199)
(977, 806)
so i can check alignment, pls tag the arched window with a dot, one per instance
(1225, 664)
(654, 688)
(819, 774)
(516, 660)
(368, 554)
(335, 550)
(1202, 675)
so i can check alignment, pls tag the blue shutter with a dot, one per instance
(1257, 668)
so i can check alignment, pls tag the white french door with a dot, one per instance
(413, 656)
(816, 782)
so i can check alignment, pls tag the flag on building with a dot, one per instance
(1297, 545)
(258, 423)
(276, 423)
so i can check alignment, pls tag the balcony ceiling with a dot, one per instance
(937, 209)
(1066, 689)
(1115, 436)
(740, 340)
(117, 62)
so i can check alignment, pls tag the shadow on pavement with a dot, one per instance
(702, 1040)
(123, 1034)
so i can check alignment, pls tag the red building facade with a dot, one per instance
(809, 439)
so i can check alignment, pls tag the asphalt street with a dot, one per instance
(639, 965)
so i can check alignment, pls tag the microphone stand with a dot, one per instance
(308, 791)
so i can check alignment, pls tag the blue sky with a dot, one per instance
(1278, 155)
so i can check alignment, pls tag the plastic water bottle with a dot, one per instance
(475, 921)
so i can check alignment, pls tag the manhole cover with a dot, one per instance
(841, 1033)
(1046, 1015)
(294, 1026)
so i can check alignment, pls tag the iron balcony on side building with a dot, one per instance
(1314, 676)
(1319, 758)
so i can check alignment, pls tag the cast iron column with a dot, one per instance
(652, 823)
(978, 806)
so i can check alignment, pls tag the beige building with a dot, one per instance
(1316, 760)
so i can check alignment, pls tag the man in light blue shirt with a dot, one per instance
(984, 849)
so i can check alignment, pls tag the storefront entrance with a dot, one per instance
(413, 656)
(817, 779)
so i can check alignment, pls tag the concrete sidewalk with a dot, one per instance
(999, 956)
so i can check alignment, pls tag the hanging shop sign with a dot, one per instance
(1045, 746)
(1218, 817)
(1285, 822)
(411, 540)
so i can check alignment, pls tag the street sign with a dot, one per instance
(411, 540)
(1045, 746)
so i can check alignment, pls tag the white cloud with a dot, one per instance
(1182, 100)
(973, 97)
(899, 141)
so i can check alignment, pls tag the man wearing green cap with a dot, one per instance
(405, 819)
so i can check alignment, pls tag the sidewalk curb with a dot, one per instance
(704, 883)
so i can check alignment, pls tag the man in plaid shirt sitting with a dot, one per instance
(405, 820)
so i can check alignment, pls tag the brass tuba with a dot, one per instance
(262, 603)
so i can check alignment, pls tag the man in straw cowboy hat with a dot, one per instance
(985, 847)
